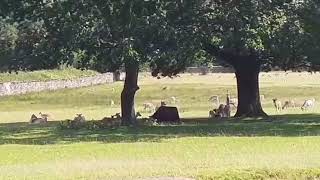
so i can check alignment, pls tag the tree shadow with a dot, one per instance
(281, 125)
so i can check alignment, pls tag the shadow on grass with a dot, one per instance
(281, 125)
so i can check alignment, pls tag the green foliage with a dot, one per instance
(78, 57)
(202, 58)
(271, 33)
(311, 16)
(167, 35)
(8, 35)
(8, 39)
(31, 52)
(42, 41)
(96, 35)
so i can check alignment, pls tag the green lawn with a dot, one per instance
(284, 146)
(45, 75)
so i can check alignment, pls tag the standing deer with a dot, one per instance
(277, 104)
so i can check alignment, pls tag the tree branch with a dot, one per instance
(228, 57)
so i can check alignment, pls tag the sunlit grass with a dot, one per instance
(197, 157)
(284, 146)
(94, 102)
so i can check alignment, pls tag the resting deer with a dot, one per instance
(44, 116)
(212, 113)
(222, 111)
(114, 121)
(308, 104)
(149, 107)
(35, 120)
(138, 114)
(79, 118)
(173, 99)
(214, 99)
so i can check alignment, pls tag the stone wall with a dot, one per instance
(14, 88)
(221, 69)
(204, 70)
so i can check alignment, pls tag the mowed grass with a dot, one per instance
(284, 146)
(45, 75)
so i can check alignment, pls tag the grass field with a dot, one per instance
(45, 75)
(285, 146)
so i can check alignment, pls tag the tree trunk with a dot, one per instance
(247, 72)
(249, 104)
(127, 96)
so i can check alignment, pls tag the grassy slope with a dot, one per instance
(45, 75)
(286, 148)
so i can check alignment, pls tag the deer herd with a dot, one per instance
(222, 110)
(307, 104)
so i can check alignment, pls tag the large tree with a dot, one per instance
(311, 18)
(126, 34)
(240, 33)
(101, 35)
(250, 35)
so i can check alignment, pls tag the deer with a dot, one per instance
(35, 120)
(277, 104)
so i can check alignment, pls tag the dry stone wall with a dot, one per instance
(204, 70)
(15, 88)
